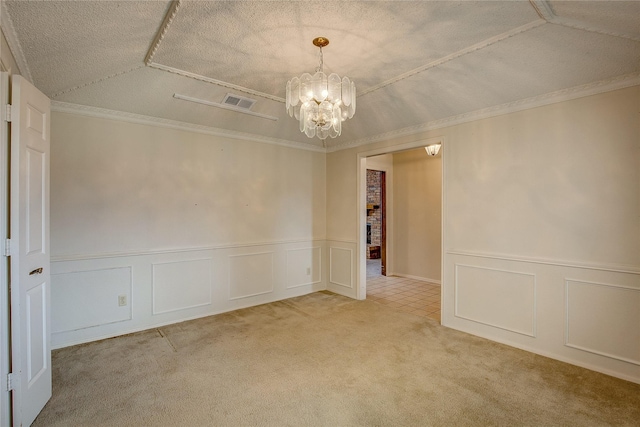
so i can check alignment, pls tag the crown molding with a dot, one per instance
(582, 91)
(162, 31)
(103, 113)
(9, 31)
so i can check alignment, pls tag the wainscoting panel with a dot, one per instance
(83, 299)
(303, 266)
(250, 275)
(587, 315)
(181, 285)
(341, 266)
(169, 286)
(598, 319)
(500, 298)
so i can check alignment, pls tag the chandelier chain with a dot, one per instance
(320, 67)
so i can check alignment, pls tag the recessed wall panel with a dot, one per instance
(303, 266)
(603, 319)
(340, 265)
(250, 275)
(499, 298)
(83, 299)
(181, 285)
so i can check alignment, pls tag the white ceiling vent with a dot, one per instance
(238, 101)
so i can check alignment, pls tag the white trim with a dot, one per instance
(569, 94)
(162, 31)
(558, 263)
(82, 257)
(103, 113)
(9, 31)
(5, 331)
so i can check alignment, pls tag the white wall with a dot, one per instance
(418, 215)
(181, 224)
(541, 227)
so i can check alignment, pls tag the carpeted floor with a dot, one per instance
(324, 360)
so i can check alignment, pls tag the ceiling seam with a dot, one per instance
(579, 25)
(9, 30)
(602, 86)
(474, 48)
(162, 31)
(544, 10)
(119, 73)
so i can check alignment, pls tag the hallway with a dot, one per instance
(409, 295)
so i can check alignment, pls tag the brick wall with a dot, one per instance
(374, 216)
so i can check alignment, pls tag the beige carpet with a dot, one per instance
(324, 360)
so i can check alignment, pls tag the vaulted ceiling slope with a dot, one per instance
(416, 64)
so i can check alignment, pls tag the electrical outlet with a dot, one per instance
(122, 300)
(308, 271)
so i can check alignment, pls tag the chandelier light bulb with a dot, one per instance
(320, 102)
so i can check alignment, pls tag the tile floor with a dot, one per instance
(410, 295)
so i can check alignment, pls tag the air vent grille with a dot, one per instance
(238, 101)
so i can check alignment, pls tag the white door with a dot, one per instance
(29, 265)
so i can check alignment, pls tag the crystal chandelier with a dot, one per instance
(319, 102)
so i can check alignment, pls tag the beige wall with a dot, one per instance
(6, 57)
(341, 196)
(119, 187)
(177, 224)
(417, 214)
(558, 182)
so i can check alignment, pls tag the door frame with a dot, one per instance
(5, 331)
(361, 241)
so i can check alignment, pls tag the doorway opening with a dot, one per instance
(376, 223)
(413, 244)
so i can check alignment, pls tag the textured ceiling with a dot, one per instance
(413, 62)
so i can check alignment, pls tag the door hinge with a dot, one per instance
(7, 247)
(11, 381)
(7, 113)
